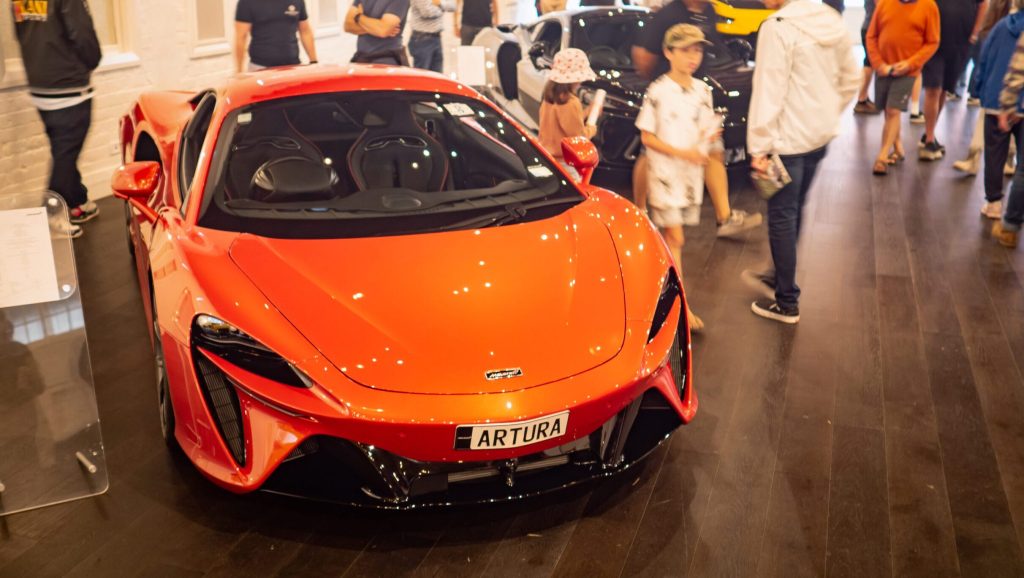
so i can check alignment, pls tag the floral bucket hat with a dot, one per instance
(570, 66)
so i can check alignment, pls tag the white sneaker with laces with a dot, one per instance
(969, 165)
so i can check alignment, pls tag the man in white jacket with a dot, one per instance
(806, 75)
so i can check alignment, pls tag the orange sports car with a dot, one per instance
(368, 285)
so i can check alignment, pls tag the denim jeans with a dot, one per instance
(1013, 211)
(426, 51)
(997, 148)
(785, 213)
(66, 129)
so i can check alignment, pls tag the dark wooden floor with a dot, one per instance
(883, 436)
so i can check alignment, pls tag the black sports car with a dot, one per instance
(516, 76)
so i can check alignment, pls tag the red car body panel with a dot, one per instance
(396, 333)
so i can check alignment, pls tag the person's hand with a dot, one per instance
(458, 31)
(759, 164)
(1007, 119)
(974, 38)
(715, 135)
(900, 68)
(394, 30)
(693, 156)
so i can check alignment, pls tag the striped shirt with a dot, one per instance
(425, 16)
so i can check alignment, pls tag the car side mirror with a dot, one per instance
(581, 154)
(741, 48)
(136, 181)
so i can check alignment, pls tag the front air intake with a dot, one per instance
(222, 401)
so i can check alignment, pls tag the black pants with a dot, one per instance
(66, 129)
(997, 148)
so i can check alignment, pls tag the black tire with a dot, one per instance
(163, 393)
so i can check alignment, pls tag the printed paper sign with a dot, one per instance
(28, 273)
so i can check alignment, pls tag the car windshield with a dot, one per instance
(373, 163)
(608, 36)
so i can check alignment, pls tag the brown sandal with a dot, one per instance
(881, 168)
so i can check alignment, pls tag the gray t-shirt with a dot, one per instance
(368, 43)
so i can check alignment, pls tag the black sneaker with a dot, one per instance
(917, 118)
(769, 309)
(952, 96)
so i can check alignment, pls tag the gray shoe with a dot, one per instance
(759, 283)
(738, 222)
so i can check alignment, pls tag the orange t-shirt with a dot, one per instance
(903, 31)
(558, 121)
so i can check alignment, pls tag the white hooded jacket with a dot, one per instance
(806, 74)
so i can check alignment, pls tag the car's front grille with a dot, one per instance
(222, 401)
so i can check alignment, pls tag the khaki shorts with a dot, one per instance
(675, 216)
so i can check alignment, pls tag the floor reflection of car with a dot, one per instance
(519, 58)
(366, 284)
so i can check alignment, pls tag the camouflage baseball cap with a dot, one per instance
(684, 35)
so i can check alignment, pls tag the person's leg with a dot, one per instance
(67, 129)
(934, 100)
(868, 72)
(915, 101)
(1007, 230)
(890, 133)
(675, 240)
(469, 33)
(437, 56)
(418, 52)
(716, 179)
(997, 147)
(783, 231)
(640, 182)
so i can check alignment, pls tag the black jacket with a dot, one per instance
(58, 43)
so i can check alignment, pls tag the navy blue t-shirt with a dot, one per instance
(275, 24)
(368, 43)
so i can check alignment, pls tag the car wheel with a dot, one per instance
(128, 229)
(163, 392)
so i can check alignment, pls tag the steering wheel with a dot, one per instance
(607, 56)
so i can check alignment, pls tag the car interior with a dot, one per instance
(299, 151)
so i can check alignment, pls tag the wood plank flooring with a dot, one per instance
(883, 436)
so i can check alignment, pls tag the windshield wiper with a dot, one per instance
(509, 213)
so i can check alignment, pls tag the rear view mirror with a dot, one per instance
(581, 154)
(136, 181)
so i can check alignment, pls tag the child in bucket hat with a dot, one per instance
(679, 129)
(561, 112)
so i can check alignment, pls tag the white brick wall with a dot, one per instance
(159, 35)
(159, 40)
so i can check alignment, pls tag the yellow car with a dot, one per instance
(740, 17)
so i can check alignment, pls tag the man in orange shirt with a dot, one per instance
(902, 36)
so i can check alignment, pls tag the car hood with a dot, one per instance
(463, 312)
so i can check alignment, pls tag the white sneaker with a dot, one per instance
(969, 165)
(738, 222)
(65, 230)
(993, 210)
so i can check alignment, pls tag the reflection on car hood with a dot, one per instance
(434, 313)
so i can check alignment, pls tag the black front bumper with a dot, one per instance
(340, 471)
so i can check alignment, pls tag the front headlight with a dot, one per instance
(233, 345)
(670, 290)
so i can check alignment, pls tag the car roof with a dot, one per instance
(289, 81)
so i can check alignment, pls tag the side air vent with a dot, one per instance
(222, 400)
